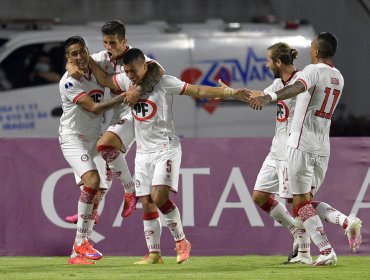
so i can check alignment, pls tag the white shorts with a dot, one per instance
(124, 129)
(306, 171)
(82, 156)
(157, 168)
(272, 178)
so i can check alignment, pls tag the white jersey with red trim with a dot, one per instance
(114, 67)
(153, 118)
(284, 115)
(75, 120)
(314, 108)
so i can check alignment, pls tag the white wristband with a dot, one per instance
(272, 95)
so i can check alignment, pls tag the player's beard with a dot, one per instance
(276, 73)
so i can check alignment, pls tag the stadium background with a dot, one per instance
(349, 20)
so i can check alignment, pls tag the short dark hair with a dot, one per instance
(327, 44)
(283, 52)
(74, 40)
(114, 27)
(133, 54)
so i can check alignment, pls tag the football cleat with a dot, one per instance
(87, 250)
(183, 249)
(300, 259)
(330, 259)
(353, 232)
(129, 205)
(80, 259)
(151, 258)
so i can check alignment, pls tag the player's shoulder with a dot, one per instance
(101, 56)
(68, 83)
(168, 79)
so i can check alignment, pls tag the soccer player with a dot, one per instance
(158, 155)
(80, 128)
(116, 141)
(272, 178)
(317, 94)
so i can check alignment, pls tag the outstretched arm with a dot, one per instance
(257, 103)
(217, 92)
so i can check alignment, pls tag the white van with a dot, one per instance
(196, 53)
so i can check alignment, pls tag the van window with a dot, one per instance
(3, 41)
(32, 65)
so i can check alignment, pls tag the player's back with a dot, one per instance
(314, 109)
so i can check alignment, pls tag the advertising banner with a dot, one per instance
(215, 200)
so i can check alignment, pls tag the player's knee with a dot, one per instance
(91, 180)
(110, 139)
(260, 198)
(109, 153)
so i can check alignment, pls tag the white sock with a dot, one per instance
(85, 208)
(121, 171)
(303, 238)
(152, 231)
(173, 221)
(314, 227)
(280, 214)
(329, 214)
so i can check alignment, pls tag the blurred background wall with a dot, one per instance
(348, 20)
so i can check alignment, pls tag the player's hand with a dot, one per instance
(73, 71)
(258, 102)
(131, 96)
(242, 94)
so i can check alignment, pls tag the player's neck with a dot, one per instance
(327, 61)
(287, 72)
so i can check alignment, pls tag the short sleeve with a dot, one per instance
(72, 90)
(173, 85)
(121, 81)
(272, 87)
(310, 76)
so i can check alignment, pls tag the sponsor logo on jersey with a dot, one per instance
(144, 110)
(282, 112)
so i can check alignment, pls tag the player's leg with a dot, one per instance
(113, 146)
(165, 179)
(152, 225)
(78, 155)
(301, 168)
(268, 181)
(351, 224)
(105, 184)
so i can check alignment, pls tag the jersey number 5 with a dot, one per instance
(321, 113)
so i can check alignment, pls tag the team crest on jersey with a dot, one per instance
(68, 85)
(144, 110)
(84, 157)
(282, 113)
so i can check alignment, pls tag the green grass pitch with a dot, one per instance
(215, 268)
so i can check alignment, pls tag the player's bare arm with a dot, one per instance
(152, 76)
(98, 108)
(103, 78)
(258, 102)
(220, 92)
